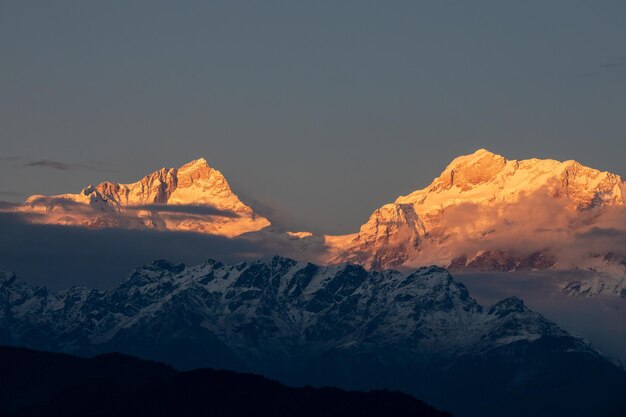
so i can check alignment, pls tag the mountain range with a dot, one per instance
(483, 213)
(300, 323)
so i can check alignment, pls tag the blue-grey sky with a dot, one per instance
(318, 111)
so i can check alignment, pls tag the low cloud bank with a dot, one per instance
(203, 210)
(63, 256)
(537, 222)
(74, 207)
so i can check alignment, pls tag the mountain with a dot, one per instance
(194, 197)
(486, 212)
(483, 213)
(300, 323)
(44, 384)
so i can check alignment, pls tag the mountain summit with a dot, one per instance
(485, 177)
(194, 197)
(488, 212)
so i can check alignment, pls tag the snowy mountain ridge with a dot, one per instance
(299, 302)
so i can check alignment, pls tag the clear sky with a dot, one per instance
(316, 111)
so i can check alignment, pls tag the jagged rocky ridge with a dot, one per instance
(195, 197)
(341, 325)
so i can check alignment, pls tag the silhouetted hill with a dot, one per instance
(34, 383)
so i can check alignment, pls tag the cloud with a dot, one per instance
(202, 210)
(65, 211)
(617, 63)
(53, 202)
(58, 165)
(75, 207)
(83, 208)
(62, 256)
(62, 166)
(537, 222)
(42, 163)
(10, 158)
(7, 205)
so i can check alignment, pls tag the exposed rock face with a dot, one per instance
(487, 212)
(418, 331)
(194, 197)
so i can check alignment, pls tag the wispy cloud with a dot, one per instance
(202, 210)
(10, 158)
(617, 63)
(23, 162)
(53, 202)
(191, 209)
(62, 166)
(7, 205)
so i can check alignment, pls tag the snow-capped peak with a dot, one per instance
(143, 204)
(490, 211)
